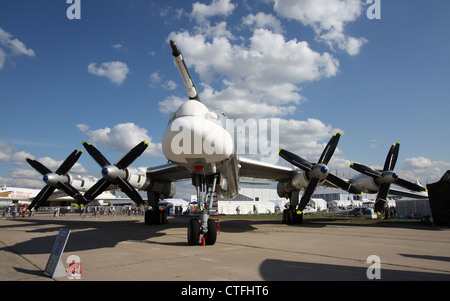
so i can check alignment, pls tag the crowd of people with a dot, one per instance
(14, 211)
(21, 211)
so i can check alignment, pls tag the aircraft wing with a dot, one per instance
(408, 193)
(262, 170)
(169, 172)
(108, 195)
(248, 168)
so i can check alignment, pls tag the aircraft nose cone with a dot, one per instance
(45, 178)
(324, 169)
(105, 171)
(395, 176)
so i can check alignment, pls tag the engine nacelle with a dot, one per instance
(297, 183)
(281, 190)
(388, 177)
(365, 184)
(137, 178)
(166, 190)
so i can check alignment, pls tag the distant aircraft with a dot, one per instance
(355, 211)
(10, 196)
(379, 181)
(199, 147)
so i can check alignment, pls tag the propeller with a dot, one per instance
(58, 179)
(115, 174)
(317, 172)
(386, 177)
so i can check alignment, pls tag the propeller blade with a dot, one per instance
(342, 184)
(366, 170)
(38, 166)
(392, 156)
(98, 157)
(295, 160)
(123, 163)
(308, 193)
(42, 196)
(97, 189)
(63, 169)
(409, 185)
(129, 190)
(381, 197)
(69, 162)
(132, 155)
(71, 191)
(329, 149)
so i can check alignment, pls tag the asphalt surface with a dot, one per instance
(113, 248)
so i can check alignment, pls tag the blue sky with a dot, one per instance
(319, 66)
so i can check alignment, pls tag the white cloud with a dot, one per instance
(261, 78)
(12, 47)
(171, 104)
(262, 20)
(122, 138)
(418, 162)
(328, 19)
(306, 138)
(29, 177)
(201, 12)
(5, 151)
(115, 71)
(157, 80)
(422, 169)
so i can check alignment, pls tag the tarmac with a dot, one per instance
(113, 248)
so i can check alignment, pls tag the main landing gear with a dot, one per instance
(154, 216)
(203, 229)
(291, 215)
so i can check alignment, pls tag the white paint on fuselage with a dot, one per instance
(196, 136)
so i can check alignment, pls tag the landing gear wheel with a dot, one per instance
(292, 218)
(289, 216)
(211, 235)
(193, 233)
(153, 217)
(163, 217)
(148, 217)
(298, 218)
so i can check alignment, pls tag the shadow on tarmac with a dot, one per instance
(279, 270)
(89, 234)
(95, 232)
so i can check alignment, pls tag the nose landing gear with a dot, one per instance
(203, 229)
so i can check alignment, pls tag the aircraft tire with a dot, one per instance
(193, 233)
(148, 217)
(211, 235)
(163, 217)
(298, 219)
(289, 217)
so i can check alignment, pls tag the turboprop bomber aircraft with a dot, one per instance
(199, 147)
(379, 181)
